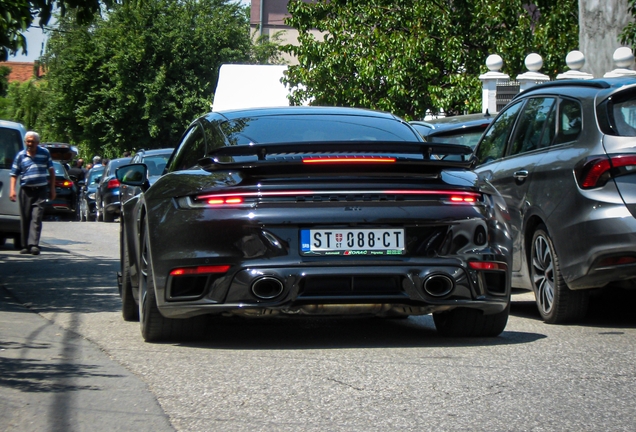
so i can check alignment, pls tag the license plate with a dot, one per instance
(380, 241)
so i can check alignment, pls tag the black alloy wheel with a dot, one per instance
(129, 309)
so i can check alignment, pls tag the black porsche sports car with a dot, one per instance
(313, 211)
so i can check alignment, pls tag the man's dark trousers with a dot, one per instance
(32, 201)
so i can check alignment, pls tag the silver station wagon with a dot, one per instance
(563, 156)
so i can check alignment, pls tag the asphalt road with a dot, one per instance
(321, 374)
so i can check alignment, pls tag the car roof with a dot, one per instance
(156, 151)
(601, 88)
(304, 110)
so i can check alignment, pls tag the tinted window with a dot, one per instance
(93, 174)
(570, 124)
(315, 128)
(494, 142)
(532, 124)
(10, 145)
(191, 149)
(156, 163)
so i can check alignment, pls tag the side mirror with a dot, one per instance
(133, 175)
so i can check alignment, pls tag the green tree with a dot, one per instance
(407, 57)
(138, 78)
(16, 16)
(4, 80)
(628, 35)
(24, 102)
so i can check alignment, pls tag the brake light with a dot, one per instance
(113, 183)
(487, 265)
(348, 160)
(200, 270)
(463, 199)
(224, 201)
(63, 183)
(596, 171)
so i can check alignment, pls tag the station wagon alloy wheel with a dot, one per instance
(556, 302)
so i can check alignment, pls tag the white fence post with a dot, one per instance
(533, 62)
(490, 80)
(575, 61)
(623, 60)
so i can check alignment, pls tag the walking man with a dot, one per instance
(35, 168)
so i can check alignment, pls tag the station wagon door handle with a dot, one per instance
(520, 175)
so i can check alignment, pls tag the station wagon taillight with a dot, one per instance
(595, 171)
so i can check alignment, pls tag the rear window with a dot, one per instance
(625, 117)
(315, 128)
(10, 145)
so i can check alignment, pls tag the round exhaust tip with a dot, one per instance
(438, 285)
(267, 288)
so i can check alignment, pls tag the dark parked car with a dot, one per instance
(155, 160)
(460, 129)
(65, 202)
(313, 211)
(107, 202)
(562, 155)
(87, 194)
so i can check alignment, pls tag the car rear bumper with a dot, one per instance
(378, 289)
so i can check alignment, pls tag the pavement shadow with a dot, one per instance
(59, 281)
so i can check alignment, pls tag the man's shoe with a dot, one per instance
(35, 250)
(25, 251)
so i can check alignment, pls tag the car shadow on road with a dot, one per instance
(337, 333)
(610, 307)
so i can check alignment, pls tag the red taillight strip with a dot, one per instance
(475, 195)
(487, 265)
(200, 270)
(348, 160)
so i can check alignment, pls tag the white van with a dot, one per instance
(11, 142)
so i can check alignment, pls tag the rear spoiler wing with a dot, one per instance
(287, 154)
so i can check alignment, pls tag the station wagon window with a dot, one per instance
(493, 144)
(535, 129)
(625, 117)
(570, 121)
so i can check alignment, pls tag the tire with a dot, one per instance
(154, 326)
(129, 309)
(99, 216)
(108, 217)
(557, 303)
(467, 322)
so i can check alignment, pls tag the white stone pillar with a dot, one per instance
(623, 60)
(575, 61)
(489, 81)
(533, 62)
